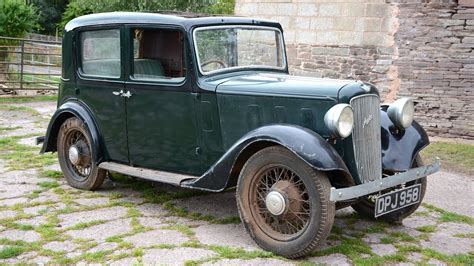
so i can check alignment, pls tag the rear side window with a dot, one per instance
(158, 55)
(100, 53)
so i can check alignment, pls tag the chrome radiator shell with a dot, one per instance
(366, 139)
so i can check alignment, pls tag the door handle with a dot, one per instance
(127, 94)
(118, 93)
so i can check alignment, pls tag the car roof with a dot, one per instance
(186, 20)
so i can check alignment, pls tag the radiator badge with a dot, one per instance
(367, 121)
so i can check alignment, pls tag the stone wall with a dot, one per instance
(421, 49)
(435, 64)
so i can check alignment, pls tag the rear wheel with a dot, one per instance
(366, 206)
(283, 203)
(75, 156)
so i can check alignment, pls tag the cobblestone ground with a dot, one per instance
(44, 221)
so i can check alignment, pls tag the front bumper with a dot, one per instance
(353, 192)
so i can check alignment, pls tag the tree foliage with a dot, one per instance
(77, 8)
(50, 13)
(17, 18)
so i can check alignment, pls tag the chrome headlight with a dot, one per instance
(401, 112)
(340, 120)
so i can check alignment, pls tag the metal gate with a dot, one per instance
(29, 65)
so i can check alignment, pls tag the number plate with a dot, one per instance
(396, 200)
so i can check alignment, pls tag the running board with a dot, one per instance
(148, 174)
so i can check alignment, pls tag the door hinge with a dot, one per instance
(198, 151)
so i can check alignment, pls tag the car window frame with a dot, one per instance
(85, 76)
(129, 61)
(239, 68)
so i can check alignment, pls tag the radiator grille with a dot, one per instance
(366, 137)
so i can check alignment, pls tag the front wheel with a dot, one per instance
(366, 206)
(284, 203)
(75, 156)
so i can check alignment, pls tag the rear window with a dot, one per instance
(100, 53)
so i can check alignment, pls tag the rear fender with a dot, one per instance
(304, 143)
(69, 109)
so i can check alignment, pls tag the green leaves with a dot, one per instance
(17, 18)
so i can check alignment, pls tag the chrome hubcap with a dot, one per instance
(275, 203)
(74, 155)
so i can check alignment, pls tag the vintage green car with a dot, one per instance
(207, 103)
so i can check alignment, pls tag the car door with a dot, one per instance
(160, 109)
(100, 78)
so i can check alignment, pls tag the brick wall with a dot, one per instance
(422, 49)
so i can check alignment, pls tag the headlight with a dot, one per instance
(401, 112)
(340, 120)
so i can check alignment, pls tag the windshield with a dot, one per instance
(221, 48)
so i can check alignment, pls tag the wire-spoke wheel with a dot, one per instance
(75, 156)
(283, 203)
(366, 206)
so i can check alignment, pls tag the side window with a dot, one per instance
(100, 53)
(158, 54)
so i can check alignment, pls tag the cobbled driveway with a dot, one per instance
(127, 221)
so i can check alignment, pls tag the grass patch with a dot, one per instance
(376, 228)
(351, 247)
(380, 260)
(468, 235)
(20, 156)
(25, 109)
(48, 184)
(447, 216)
(9, 128)
(84, 225)
(458, 259)
(182, 228)
(26, 99)
(426, 228)
(133, 212)
(457, 156)
(52, 174)
(403, 236)
(387, 240)
(10, 252)
(239, 253)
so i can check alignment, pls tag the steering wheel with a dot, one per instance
(214, 61)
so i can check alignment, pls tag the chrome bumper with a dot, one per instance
(381, 184)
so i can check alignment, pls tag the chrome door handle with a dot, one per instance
(118, 93)
(127, 94)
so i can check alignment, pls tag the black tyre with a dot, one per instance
(284, 203)
(366, 206)
(75, 156)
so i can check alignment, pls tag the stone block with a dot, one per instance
(307, 9)
(321, 24)
(344, 23)
(306, 36)
(353, 9)
(246, 9)
(330, 9)
(301, 23)
(377, 10)
(330, 51)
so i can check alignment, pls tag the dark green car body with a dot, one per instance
(206, 126)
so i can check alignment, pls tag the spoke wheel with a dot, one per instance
(283, 203)
(75, 155)
(79, 155)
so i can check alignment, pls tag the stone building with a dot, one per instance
(423, 49)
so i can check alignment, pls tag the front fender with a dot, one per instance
(400, 147)
(304, 143)
(70, 109)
